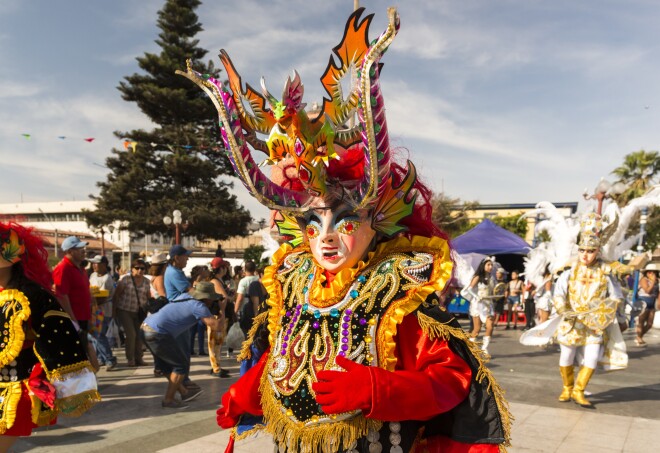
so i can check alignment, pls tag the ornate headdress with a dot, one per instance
(318, 146)
(592, 235)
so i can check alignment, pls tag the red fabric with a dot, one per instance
(72, 281)
(38, 383)
(429, 378)
(442, 444)
(332, 388)
(242, 397)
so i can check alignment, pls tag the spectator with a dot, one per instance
(157, 271)
(198, 274)
(162, 331)
(219, 270)
(513, 300)
(102, 280)
(131, 293)
(72, 286)
(175, 280)
(648, 293)
(245, 309)
(499, 294)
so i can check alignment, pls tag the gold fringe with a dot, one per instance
(9, 298)
(323, 438)
(245, 434)
(246, 353)
(76, 405)
(11, 394)
(435, 329)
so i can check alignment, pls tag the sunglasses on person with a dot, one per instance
(138, 268)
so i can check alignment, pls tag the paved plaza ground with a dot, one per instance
(626, 418)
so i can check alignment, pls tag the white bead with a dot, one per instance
(373, 436)
(375, 447)
(395, 438)
(395, 427)
(396, 449)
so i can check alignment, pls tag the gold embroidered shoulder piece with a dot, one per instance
(14, 311)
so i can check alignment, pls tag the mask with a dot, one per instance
(338, 238)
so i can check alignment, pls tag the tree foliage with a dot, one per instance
(640, 172)
(253, 253)
(450, 214)
(512, 223)
(177, 164)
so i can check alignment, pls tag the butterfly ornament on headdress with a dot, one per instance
(315, 143)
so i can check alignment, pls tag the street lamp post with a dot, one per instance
(178, 225)
(603, 191)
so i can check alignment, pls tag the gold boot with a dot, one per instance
(580, 384)
(567, 378)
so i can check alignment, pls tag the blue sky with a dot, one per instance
(499, 101)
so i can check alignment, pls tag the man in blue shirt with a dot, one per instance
(161, 332)
(175, 280)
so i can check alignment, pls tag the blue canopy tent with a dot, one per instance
(490, 239)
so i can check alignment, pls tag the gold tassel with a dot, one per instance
(246, 353)
(323, 438)
(435, 329)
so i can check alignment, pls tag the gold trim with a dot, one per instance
(250, 432)
(11, 392)
(76, 405)
(9, 298)
(435, 329)
(246, 353)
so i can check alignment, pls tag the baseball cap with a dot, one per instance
(99, 259)
(72, 242)
(178, 250)
(218, 262)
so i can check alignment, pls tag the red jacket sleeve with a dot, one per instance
(243, 396)
(429, 378)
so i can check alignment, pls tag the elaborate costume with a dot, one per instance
(586, 297)
(44, 370)
(360, 356)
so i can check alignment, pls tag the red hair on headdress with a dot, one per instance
(34, 260)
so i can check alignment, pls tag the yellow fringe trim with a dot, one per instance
(11, 393)
(321, 438)
(246, 353)
(245, 434)
(76, 405)
(9, 299)
(435, 329)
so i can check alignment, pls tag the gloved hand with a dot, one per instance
(344, 391)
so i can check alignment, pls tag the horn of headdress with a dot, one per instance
(261, 187)
(371, 112)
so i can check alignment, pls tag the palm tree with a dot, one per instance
(639, 173)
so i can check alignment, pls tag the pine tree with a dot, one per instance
(177, 164)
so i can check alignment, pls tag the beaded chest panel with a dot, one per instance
(310, 333)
